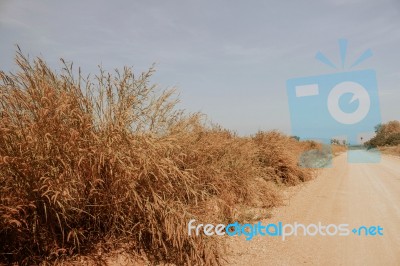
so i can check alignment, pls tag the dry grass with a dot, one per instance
(279, 157)
(338, 149)
(393, 150)
(108, 159)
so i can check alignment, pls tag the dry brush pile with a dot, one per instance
(109, 158)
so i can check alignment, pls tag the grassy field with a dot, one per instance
(109, 161)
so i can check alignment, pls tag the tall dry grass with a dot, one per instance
(89, 160)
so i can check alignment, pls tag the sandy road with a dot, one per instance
(354, 194)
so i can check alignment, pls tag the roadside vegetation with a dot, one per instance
(387, 138)
(108, 161)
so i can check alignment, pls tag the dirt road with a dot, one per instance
(354, 194)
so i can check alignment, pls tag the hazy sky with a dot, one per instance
(229, 59)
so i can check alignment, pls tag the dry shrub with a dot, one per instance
(83, 161)
(278, 155)
(109, 158)
(228, 171)
(223, 164)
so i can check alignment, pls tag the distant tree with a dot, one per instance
(377, 128)
(295, 137)
(393, 139)
(392, 127)
(386, 134)
(335, 141)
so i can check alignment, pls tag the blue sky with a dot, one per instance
(228, 59)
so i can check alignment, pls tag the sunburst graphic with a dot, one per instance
(343, 53)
